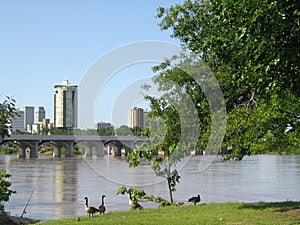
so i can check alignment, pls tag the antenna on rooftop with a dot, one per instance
(65, 81)
(66, 77)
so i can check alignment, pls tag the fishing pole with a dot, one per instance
(33, 190)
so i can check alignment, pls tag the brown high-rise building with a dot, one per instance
(136, 118)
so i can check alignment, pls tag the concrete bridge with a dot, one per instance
(93, 144)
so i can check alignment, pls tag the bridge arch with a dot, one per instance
(91, 148)
(94, 144)
(23, 147)
(118, 147)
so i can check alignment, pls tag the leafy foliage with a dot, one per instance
(5, 192)
(136, 131)
(252, 48)
(7, 113)
(106, 132)
(123, 130)
(140, 194)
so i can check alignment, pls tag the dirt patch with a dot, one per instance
(234, 223)
(290, 209)
(292, 214)
(13, 220)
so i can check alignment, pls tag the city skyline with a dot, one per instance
(43, 43)
(30, 118)
(66, 111)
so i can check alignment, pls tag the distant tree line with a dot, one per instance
(122, 130)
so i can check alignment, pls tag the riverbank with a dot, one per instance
(212, 213)
(13, 220)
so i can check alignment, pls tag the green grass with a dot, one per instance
(213, 213)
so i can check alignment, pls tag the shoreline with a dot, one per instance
(281, 207)
(49, 153)
(14, 220)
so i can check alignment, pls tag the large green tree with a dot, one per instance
(7, 113)
(252, 48)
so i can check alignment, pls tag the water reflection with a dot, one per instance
(65, 186)
(58, 186)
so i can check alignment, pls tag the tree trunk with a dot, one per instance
(170, 190)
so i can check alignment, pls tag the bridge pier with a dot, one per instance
(68, 145)
(129, 147)
(94, 151)
(101, 149)
(57, 152)
(69, 150)
(87, 151)
(22, 152)
(32, 147)
(34, 150)
(108, 150)
(119, 149)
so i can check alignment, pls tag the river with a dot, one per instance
(54, 188)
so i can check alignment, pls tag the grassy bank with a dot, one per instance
(213, 213)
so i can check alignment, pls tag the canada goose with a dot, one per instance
(195, 199)
(102, 207)
(133, 204)
(180, 203)
(89, 209)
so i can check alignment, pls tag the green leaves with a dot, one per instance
(140, 194)
(174, 179)
(252, 48)
(5, 192)
(233, 35)
(7, 113)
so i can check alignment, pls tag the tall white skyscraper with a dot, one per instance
(65, 106)
(136, 118)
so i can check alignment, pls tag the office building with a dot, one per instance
(104, 125)
(46, 123)
(28, 117)
(17, 123)
(40, 114)
(65, 106)
(136, 118)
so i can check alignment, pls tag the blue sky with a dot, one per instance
(41, 41)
